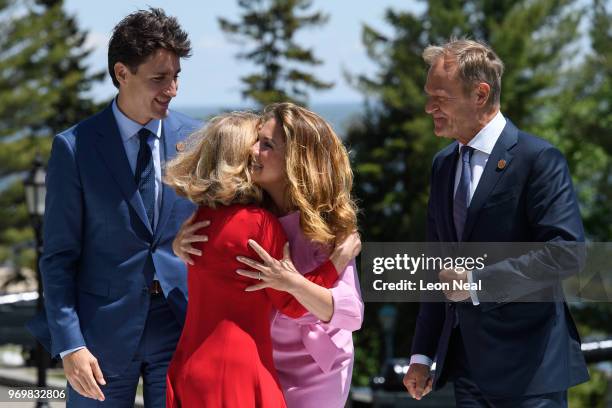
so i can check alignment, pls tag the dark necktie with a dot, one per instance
(462, 195)
(145, 175)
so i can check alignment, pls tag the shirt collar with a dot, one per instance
(129, 128)
(485, 140)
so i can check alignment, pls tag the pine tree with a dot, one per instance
(43, 81)
(582, 124)
(269, 28)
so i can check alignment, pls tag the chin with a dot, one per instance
(161, 114)
(439, 133)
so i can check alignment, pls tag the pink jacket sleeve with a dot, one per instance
(325, 341)
(348, 305)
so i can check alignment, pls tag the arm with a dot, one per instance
(59, 268)
(62, 247)
(348, 305)
(282, 282)
(431, 312)
(309, 290)
(554, 217)
(418, 381)
(307, 295)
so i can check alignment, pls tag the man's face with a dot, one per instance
(146, 94)
(454, 113)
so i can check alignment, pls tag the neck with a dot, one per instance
(281, 202)
(126, 108)
(482, 119)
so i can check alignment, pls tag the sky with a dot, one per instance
(211, 77)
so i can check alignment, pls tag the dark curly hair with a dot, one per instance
(140, 34)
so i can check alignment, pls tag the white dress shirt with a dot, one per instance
(483, 144)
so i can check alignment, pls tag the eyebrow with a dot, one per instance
(166, 72)
(267, 139)
(441, 92)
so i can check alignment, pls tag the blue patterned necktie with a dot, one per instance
(145, 174)
(462, 195)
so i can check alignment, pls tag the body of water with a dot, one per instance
(339, 115)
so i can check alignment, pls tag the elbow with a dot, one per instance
(359, 319)
(349, 317)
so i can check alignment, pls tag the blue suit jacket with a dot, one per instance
(513, 348)
(99, 249)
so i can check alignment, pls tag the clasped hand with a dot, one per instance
(450, 276)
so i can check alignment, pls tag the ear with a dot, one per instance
(483, 92)
(121, 72)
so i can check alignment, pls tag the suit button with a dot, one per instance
(145, 289)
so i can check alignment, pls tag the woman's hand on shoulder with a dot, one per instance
(186, 236)
(345, 251)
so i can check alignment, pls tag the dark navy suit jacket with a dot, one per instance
(99, 250)
(513, 348)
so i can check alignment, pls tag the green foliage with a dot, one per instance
(591, 394)
(584, 125)
(367, 355)
(580, 122)
(269, 27)
(43, 81)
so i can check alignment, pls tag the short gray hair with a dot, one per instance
(476, 62)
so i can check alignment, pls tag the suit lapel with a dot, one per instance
(491, 174)
(110, 146)
(445, 195)
(170, 137)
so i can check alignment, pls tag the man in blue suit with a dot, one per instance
(494, 183)
(115, 295)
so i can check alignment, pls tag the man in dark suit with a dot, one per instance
(494, 183)
(115, 295)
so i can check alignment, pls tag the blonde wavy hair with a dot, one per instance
(319, 174)
(213, 169)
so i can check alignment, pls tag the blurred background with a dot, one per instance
(358, 64)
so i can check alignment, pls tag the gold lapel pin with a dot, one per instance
(180, 146)
(501, 164)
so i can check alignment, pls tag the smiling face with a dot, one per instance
(268, 160)
(455, 113)
(146, 93)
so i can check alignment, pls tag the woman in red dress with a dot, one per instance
(224, 356)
